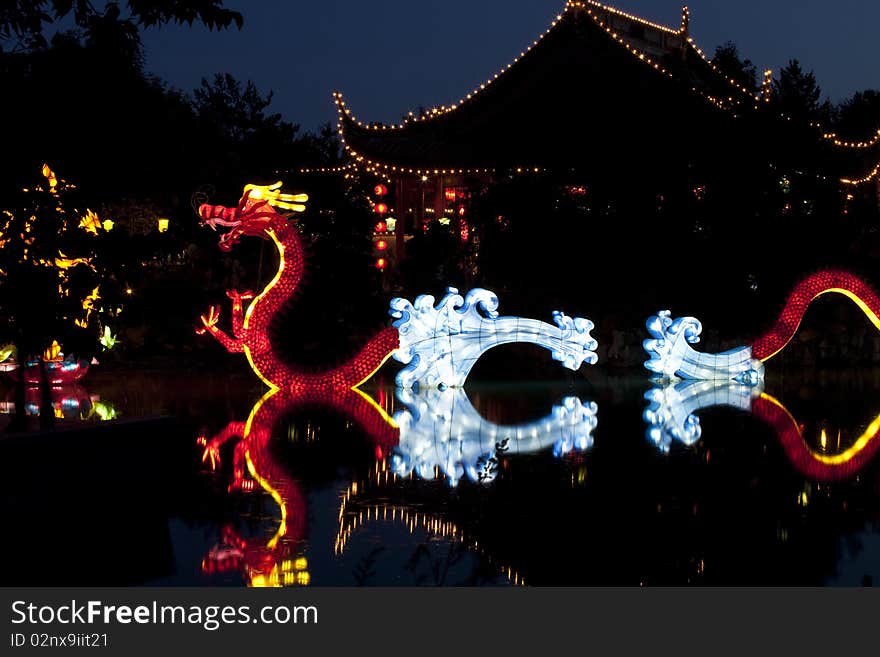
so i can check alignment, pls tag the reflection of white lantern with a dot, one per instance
(441, 432)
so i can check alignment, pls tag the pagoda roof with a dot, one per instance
(599, 88)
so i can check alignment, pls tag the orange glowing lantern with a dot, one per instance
(380, 190)
(380, 209)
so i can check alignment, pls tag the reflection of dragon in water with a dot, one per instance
(814, 465)
(273, 562)
(671, 416)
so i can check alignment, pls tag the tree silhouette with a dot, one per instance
(858, 117)
(237, 112)
(728, 60)
(796, 94)
(22, 22)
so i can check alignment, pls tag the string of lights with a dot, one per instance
(587, 5)
(861, 181)
(378, 167)
(344, 112)
(340, 169)
(596, 11)
(833, 138)
(633, 18)
(436, 111)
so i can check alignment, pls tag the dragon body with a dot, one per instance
(252, 315)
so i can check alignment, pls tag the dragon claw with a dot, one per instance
(209, 321)
(212, 453)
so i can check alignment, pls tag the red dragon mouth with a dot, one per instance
(253, 216)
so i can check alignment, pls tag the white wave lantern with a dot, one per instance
(672, 356)
(440, 344)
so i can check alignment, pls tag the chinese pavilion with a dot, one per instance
(601, 94)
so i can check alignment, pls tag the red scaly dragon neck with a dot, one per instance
(258, 346)
(251, 329)
(255, 335)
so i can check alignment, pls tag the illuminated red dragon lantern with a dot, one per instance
(691, 380)
(255, 216)
(274, 562)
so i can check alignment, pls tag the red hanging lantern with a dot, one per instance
(380, 208)
(380, 190)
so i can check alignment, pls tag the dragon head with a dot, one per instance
(254, 215)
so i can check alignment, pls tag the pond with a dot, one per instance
(598, 479)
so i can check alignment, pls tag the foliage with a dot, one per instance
(858, 116)
(237, 113)
(22, 22)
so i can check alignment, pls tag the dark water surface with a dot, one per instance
(496, 485)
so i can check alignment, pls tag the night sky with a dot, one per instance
(391, 56)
